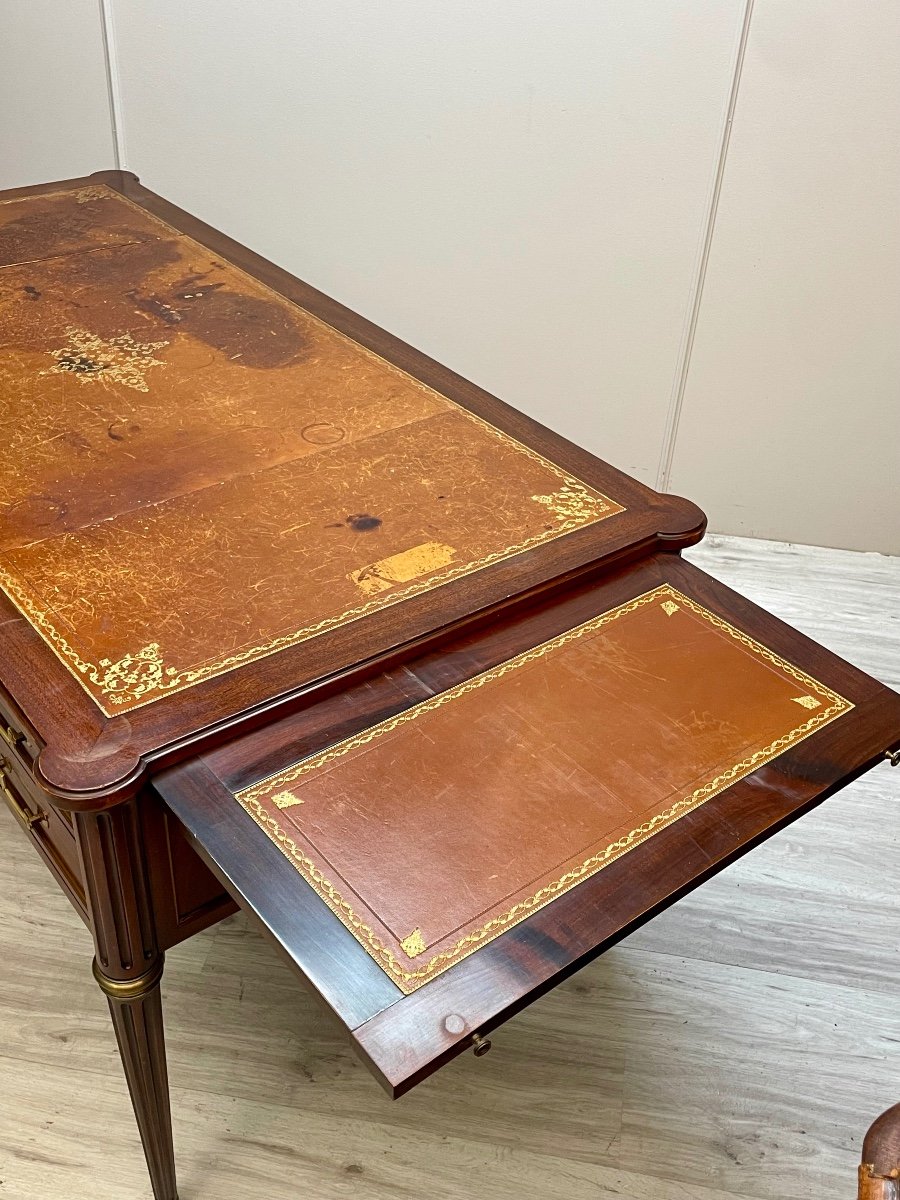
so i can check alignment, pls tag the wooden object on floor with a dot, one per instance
(879, 1171)
(175, 638)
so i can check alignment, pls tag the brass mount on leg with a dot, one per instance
(130, 989)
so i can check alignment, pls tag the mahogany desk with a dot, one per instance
(295, 618)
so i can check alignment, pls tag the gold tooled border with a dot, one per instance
(577, 495)
(409, 980)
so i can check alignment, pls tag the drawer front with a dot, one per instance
(50, 830)
(17, 743)
(186, 895)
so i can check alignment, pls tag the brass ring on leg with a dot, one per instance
(130, 989)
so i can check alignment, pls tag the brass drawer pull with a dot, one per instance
(481, 1045)
(11, 736)
(26, 819)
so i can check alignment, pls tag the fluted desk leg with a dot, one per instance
(136, 1009)
(128, 967)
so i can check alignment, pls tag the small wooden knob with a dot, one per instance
(480, 1045)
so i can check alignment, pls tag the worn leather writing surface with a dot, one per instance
(198, 472)
(434, 831)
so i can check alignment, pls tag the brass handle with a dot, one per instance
(11, 736)
(893, 757)
(26, 819)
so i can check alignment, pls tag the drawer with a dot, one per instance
(50, 829)
(17, 742)
(187, 897)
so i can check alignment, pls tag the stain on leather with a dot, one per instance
(44, 514)
(120, 430)
(119, 266)
(78, 364)
(322, 433)
(155, 306)
(42, 232)
(363, 523)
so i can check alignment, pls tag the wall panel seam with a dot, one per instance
(113, 83)
(676, 401)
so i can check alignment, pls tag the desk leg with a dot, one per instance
(136, 1010)
(128, 967)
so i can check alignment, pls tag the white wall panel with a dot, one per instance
(518, 188)
(791, 420)
(54, 103)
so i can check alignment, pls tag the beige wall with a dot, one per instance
(791, 421)
(54, 101)
(526, 191)
(516, 187)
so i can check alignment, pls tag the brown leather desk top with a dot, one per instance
(184, 416)
(219, 487)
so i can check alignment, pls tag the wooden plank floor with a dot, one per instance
(738, 1046)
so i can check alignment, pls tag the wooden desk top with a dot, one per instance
(218, 482)
(429, 688)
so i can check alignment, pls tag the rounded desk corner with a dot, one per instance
(683, 523)
(90, 781)
(115, 178)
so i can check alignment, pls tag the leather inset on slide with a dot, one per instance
(434, 831)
